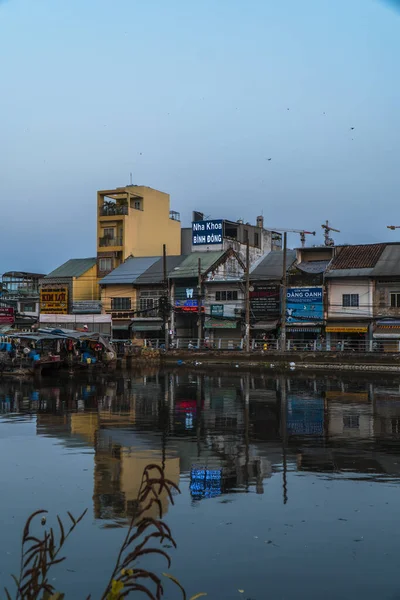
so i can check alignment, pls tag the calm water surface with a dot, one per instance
(290, 487)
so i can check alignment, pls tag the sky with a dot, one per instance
(193, 98)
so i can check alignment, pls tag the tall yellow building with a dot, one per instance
(134, 221)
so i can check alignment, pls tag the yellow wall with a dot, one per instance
(117, 291)
(85, 425)
(86, 287)
(132, 467)
(144, 231)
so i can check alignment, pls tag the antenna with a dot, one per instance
(327, 229)
(130, 178)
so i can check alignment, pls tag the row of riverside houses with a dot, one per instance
(346, 294)
(121, 290)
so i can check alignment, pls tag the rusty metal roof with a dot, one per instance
(363, 256)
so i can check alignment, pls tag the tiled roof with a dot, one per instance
(75, 267)
(357, 257)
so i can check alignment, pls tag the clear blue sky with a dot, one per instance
(192, 97)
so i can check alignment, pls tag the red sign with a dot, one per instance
(6, 315)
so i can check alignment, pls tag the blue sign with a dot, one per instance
(304, 305)
(207, 233)
(305, 416)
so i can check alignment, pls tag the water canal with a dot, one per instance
(290, 486)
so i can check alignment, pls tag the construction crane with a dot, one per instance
(327, 229)
(302, 233)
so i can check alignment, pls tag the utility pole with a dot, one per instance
(247, 325)
(166, 298)
(199, 327)
(284, 293)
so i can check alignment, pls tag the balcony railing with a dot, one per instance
(107, 241)
(111, 210)
(175, 216)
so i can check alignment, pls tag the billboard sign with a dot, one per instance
(304, 305)
(186, 298)
(7, 316)
(207, 233)
(54, 300)
(217, 310)
(265, 301)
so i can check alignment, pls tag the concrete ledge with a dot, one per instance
(276, 361)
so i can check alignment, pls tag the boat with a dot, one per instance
(30, 353)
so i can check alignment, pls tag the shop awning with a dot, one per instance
(211, 323)
(388, 323)
(153, 326)
(265, 325)
(120, 326)
(303, 329)
(379, 335)
(346, 328)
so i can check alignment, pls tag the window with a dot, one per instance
(27, 307)
(105, 264)
(137, 205)
(120, 304)
(395, 300)
(109, 233)
(349, 300)
(223, 296)
(351, 422)
(257, 240)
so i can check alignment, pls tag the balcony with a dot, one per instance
(112, 210)
(174, 216)
(106, 242)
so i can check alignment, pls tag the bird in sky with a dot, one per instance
(351, 128)
(269, 158)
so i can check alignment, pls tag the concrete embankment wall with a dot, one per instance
(275, 361)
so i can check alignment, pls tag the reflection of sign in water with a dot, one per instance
(304, 305)
(207, 233)
(54, 300)
(305, 415)
(185, 412)
(205, 483)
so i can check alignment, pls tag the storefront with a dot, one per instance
(304, 315)
(149, 329)
(304, 337)
(347, 336)
(224, 333)
(386, 335)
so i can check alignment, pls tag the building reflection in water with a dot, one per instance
(214, 434)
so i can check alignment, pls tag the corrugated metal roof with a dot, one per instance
(313, 266)
(389, 262)
(75, 267)
(155, 273)
(189, 266)
(130, 270)
(271, 265)
(363, 256)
